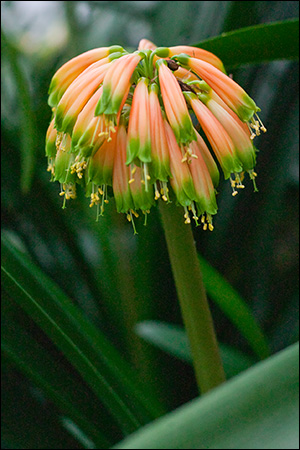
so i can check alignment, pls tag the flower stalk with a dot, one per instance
(191, 293)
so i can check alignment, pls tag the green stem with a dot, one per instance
(192, 297)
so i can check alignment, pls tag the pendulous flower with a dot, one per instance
(155, 124)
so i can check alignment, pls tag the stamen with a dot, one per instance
(146, 217)
(78, 167)
(134, 213)
(165, 191)
(262, 127)
(51, 167)
(146, 176)
(253, 175)
(130, 219)
(233, 183)
(253, 135)
(96, 127)
(58, 139)
(187, 154)
(209, 221)
(238, 182)
(186, 216)
(68, 191)
(157, 194)
(195, 217)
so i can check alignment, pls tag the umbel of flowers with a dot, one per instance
(136, 126)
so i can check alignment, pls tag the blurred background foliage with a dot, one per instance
(118, 279)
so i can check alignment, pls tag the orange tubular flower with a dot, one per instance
(218, 137)
(181, 180)
(139, 144)
(124, 124)
(116, 84)
(70, 71)
(145, 44)
(200, 146)
(175, 105)
(229, 91)
(76, 96)
(242, 143)
(205, 198)
(121, 175)
(195, 52)
(160, 166)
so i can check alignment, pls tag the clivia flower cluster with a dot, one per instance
(134, 125)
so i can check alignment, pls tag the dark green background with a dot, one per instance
(116, 278)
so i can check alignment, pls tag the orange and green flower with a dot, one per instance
(153, 125)
(73, 68)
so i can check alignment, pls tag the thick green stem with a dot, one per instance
(192, 296)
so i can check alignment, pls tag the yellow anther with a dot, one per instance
(205, 227)
(210, 227)
(62, 193)
(128, 217)
(148, 177)
(103, 133)
(133, 170)
(165, 199)
(100, 191)
(131, 180)
(106, 201)
(234, 193)
(157, 195)
(188, 220)
(134, 213)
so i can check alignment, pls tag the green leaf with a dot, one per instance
(28, 132)
(173, 340)
(256, 44)
(234, 307)
(51, 377)
(82, 343)
(26, 422)
(257, 409)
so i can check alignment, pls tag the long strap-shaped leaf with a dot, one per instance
(173, 339)
(55, 382)
(82, 343)
(256, 44)
(27, 127)
(257, 409)
(235, 308)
